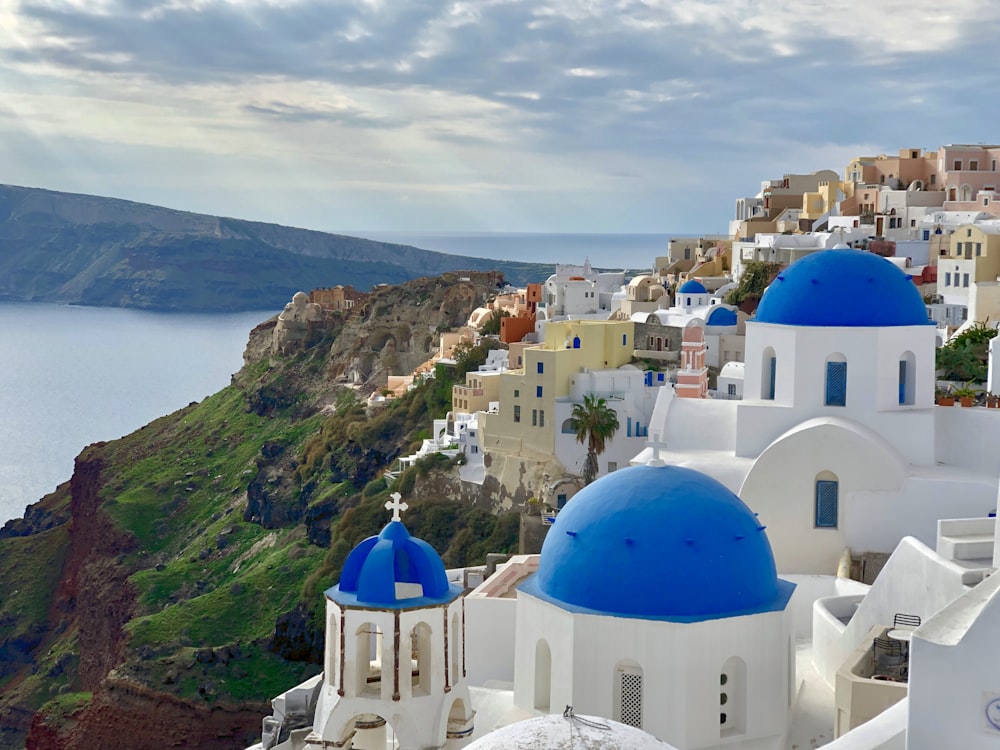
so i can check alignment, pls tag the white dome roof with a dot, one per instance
(556, 732)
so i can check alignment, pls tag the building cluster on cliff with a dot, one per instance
(798, 553)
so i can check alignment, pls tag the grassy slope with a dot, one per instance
(205, 579)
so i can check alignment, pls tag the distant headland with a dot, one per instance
(89, 250)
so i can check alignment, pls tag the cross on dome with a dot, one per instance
(656, 444)
(396, 506)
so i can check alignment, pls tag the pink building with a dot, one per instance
(692, 378)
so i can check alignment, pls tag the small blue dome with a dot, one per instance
(721, 316)
(692, 286)
(377, 564)
(842, 288)
(664, 543)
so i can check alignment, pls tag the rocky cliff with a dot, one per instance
(82, 249)
(175, 583)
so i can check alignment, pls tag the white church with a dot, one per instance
(665, 611)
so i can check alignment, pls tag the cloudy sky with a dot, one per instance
(487, 115)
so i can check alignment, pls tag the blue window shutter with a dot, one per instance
(774, 372)
(836, 383)
(576, 342)
(826, 504)
(628, 429)
(902, 381)
(541, 368)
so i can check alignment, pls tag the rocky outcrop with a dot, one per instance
(297, 639)
(296, 324)
(401, 327)
(273, 498)
(38, 517)
(94, 579)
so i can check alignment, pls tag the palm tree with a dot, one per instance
(594, 423)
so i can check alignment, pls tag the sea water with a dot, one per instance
(71, 376)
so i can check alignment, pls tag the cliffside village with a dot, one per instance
(790, 543)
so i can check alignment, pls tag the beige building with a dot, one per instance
(781, 203)
(480, 390)
(338, 298)
(644, 293)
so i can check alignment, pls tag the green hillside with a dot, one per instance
(183, 567)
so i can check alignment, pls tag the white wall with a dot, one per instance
(955, 673)
(872, 355)
(781, 487)
(955, 293)
(887, 731)
(968, 438)
(490, 625)
(681, 666)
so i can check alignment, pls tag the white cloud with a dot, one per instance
(510, 98)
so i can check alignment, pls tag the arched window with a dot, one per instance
(368, 657)
(966, 193)
(836, 380)
(733, 697)
(543, 676)
(907, 378)
(567, 427)
(827, 500)
(768, 375)
(576, 342)
(628, 694)
(420, 659)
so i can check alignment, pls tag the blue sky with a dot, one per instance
(494, 115)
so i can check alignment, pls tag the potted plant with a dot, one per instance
(992, 402)
(944, 397)
(965, 395)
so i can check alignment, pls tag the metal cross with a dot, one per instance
(395, 506)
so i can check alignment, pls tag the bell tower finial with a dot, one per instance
(396, 506)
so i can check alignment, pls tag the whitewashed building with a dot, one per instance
(837, 440)
(700, 662)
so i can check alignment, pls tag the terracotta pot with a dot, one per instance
(966, 400)
(946, 401)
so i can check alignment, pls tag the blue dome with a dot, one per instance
(842, 288)
(721, 316)
(664, 543)
(377, 564)
(692, 286)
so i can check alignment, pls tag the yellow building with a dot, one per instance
(969, 270)
(524, 429)
(821, 201)
(979, 243)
